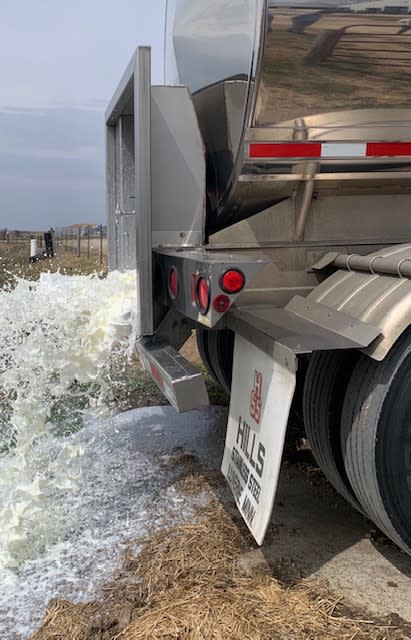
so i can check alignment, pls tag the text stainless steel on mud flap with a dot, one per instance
(262, 392)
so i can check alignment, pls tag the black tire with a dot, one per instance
(295, 434)
(202, 346)
(327, 378)
(376, 439)
(216, 349)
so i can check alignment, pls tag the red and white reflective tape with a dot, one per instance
(329, 149)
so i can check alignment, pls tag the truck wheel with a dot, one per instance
(376, 439)
(216, 349)
(326, 382)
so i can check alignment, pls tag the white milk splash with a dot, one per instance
(56, 337)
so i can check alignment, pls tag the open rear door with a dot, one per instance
(128, 124)
(156, 198)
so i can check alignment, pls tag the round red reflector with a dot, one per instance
(221, 304)
(232, 281)
(173, 283)
(203, 295)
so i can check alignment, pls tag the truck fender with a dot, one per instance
(375, 289)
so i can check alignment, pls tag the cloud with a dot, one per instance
(51, 167)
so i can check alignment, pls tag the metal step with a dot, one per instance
(179, 380)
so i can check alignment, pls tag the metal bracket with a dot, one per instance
(303, 327)
(303, 198)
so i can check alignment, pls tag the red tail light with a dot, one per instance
(221, 304)
(173, 283)
(203, 295)
(232, 281)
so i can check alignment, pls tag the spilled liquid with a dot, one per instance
(56, 340)
(80, 483)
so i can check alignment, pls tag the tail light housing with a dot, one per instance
(221, 303)
(173, 283)
(203, 293)
(232, 281)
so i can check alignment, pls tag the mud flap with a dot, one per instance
(262, 391)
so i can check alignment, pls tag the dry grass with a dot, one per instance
(186, 584)
(14, 261)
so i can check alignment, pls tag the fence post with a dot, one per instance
(101, 244)
(79, 242)
(33, 249)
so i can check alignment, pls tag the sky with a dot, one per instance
(60, 63)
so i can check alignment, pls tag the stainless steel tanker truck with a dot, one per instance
(263, 196)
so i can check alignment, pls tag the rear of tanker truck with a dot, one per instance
(263, 195)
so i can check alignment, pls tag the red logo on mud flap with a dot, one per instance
(256, 397)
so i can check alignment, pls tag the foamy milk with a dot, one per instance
(55, 334)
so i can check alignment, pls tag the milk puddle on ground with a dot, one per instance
(72, 493)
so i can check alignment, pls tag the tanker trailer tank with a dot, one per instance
(290, 92)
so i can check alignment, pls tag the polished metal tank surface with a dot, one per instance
(313, 92)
